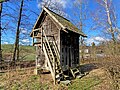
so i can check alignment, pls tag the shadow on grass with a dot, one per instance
(1, 87)
(88, 67)
(2, 73)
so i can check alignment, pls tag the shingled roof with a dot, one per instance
(63, 22)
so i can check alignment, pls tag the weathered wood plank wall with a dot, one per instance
(51, 31)
(69, 49)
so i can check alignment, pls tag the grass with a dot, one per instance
(26, 52)
(26, 80)
(16, 81)
(84, 83)
(22, 79)
(31, 83)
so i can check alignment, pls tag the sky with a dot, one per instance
(8, 36)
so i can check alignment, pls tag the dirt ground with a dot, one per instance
(105, 82)
(102, 74)
(97, 79)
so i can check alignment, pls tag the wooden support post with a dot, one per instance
(41, 39)
(33, 38)
(41, 56)
(33, 42)
(35, 70)
(54, 72)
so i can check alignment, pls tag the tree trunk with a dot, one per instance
(16, 46)
(110, 24)
(0, 33)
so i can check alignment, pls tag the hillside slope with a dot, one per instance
(26, 52)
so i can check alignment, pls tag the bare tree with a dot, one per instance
(0, 34)
(55, 6)
(11, 11)
(16, 48)
(109, 18)
(1, 28)
(105, 17)
(80, 13)
(81, 7)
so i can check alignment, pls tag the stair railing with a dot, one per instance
(47, 50)
(49, 63)
(51, 53)
(58, 54)
(56, 50)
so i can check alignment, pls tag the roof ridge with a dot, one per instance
(65, 23)
(57, 14)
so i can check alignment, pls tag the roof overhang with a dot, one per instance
(45, 10)
(79, 33)
(39, 20)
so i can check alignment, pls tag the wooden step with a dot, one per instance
(58, 69)
(80, 75)
(37, 37)
(55, 55)
(66, 82)
(66, 77)
(37, 44)
(76, 72)
(74, 69)
(59, 78)
(59, 74)
(57, 62)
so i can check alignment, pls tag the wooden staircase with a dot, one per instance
(53, 57)
(76, 73)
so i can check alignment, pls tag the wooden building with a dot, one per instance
(57, 44)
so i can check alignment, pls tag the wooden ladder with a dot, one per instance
(76, 73)
(53, 57)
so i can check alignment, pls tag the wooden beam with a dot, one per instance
(42, 36)
(38, 19)
(36, 29)
(33, 39)
(37, 42)
(36, 37)
(41, 39)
